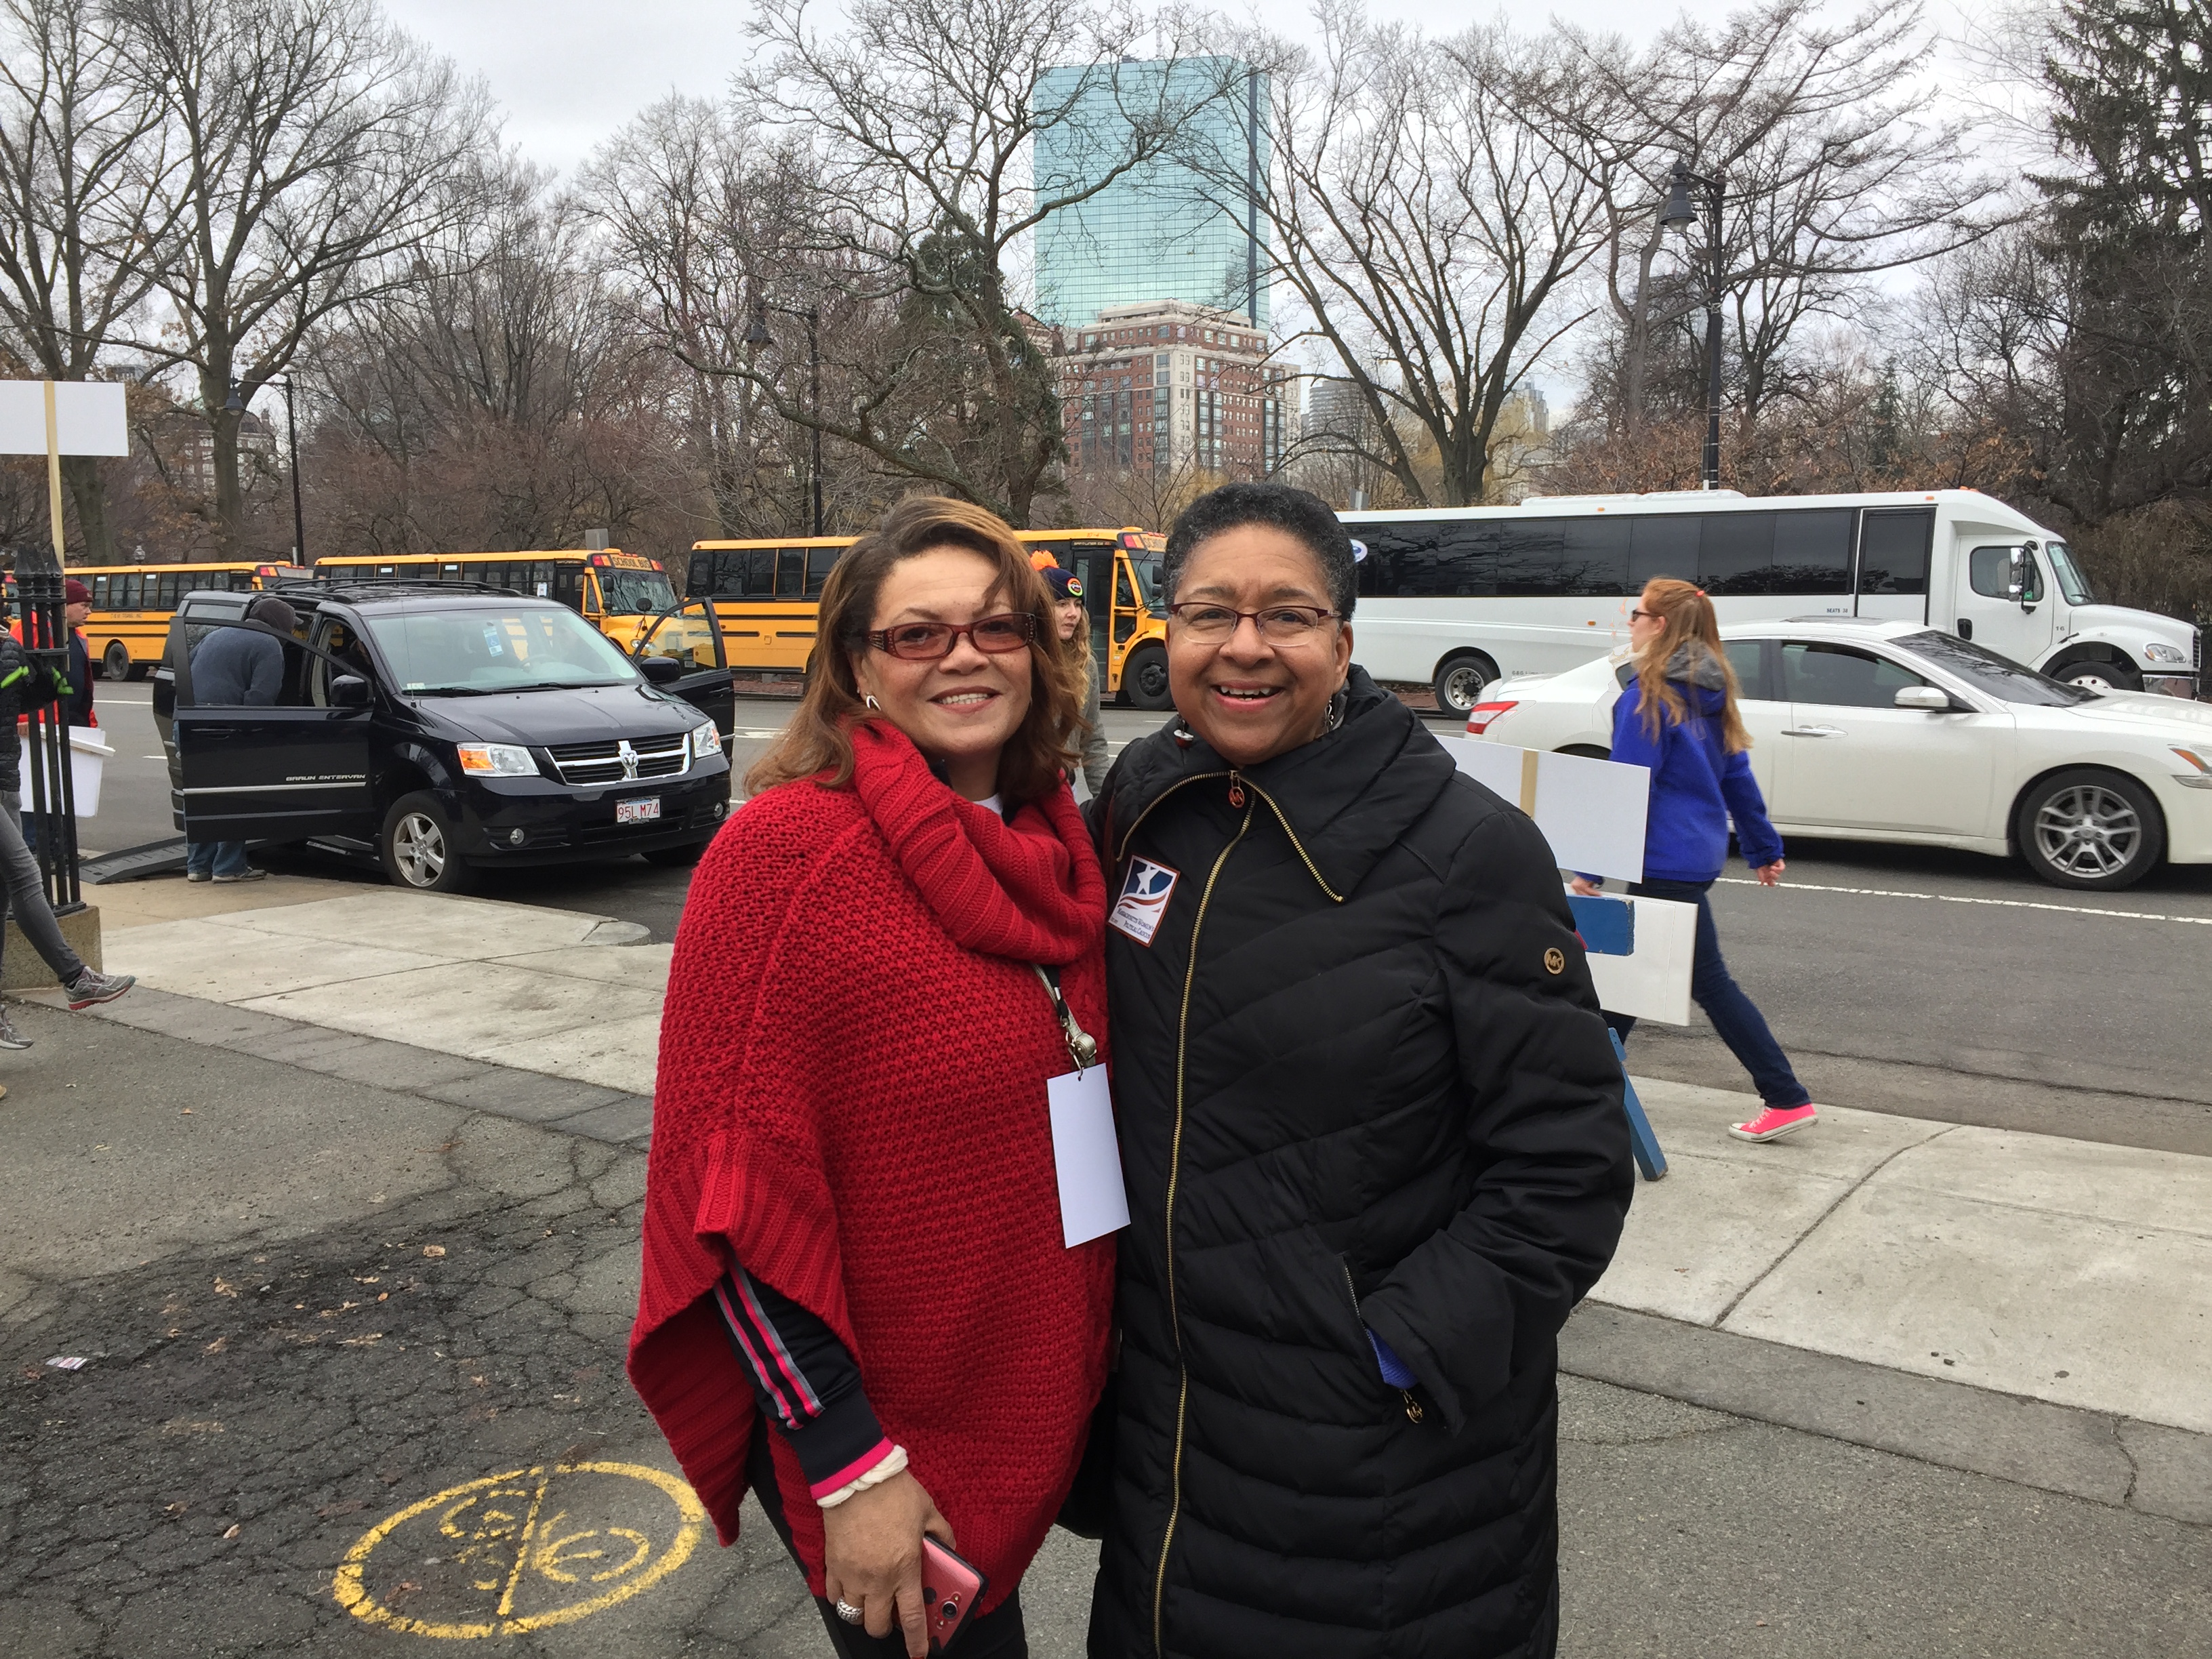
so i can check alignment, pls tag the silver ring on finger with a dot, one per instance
(848, 1612)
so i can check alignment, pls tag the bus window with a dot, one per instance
(168, 591)
(700, 578)
(1594, 557)
(1530, 558)
(1894, 549)
(760, 574)
(819, 563)
(790, 573)
(1664, 544)
(569, 586)
(1736, 555)
(1812, 551)
(100, 593)
(541, 578)
(1125, 604)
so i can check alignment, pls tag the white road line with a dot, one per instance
(1956, 898)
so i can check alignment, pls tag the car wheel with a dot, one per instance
(1144, 678)
(2087, 828)
(678, 858)
(115, 661)
(2095, 674)
(417, 847)
(1459, 683)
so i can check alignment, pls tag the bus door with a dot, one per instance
(690, 637)
(1093, 565)
(277, 773)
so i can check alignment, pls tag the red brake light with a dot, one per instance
(1481, 717)
(656, 565)
(599, 558)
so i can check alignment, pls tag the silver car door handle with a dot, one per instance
(1811, 731)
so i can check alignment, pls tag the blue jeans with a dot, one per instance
(215, 858)
(27, 898)
(1733, 1015)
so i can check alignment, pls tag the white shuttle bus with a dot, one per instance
(1457, 598)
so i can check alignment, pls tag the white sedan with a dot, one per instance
(1895, 731)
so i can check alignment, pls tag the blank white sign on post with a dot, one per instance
(1592, 812)
(89, 418)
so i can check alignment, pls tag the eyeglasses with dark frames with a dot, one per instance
(1278, 624)
(926, 641)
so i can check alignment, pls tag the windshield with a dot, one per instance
(2001, 677)
(1148, 584)
(2071, 582)
(488, 650)
(635, 592)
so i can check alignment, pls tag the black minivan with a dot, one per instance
(454, 732)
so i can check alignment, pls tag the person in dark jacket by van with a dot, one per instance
(1373, 1138)
(235, 667)
(1678, 717)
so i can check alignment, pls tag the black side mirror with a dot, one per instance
(660, 670)
(349, 691)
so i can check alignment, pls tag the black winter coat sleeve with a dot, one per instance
(1486, 1294)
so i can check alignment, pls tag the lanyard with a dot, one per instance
(1082, 1047)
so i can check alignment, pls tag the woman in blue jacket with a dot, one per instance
(1678, 717)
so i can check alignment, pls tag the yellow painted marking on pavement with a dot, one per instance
(1962, 898)
(502, 1547)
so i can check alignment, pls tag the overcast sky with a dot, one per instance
(569, 72)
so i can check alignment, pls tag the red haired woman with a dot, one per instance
(1679, 718)
(856, 1298)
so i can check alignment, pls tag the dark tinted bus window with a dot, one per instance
(1526, 556)
(819, 560)
(790, 573)
(1594, 558)
(568, 587)
(1736, 553)
(1894, 549)
(699, 578)
(100, 593)
(131, 597)
(1812, 551)
(760, 574)
(1663, 545)
(1401, 559)
(167, 593)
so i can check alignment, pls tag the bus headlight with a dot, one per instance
(705, 741)
(497, 760)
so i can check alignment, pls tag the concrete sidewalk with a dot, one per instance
(2032, 1265)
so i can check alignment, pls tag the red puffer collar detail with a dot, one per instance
(1027, 889)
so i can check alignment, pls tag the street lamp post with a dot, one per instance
(236, 405)
(1681, 213)
(758, 335)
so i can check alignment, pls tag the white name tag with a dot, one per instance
(1145, 894)
(1086, 1157)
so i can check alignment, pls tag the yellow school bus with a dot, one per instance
(133, 604)
(766, 594)
(620, 593)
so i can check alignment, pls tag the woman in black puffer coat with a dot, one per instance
(1372, 1131)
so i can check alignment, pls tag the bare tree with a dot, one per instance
(1837, 168)
(920, 119)
(319, 152)
(84, 203)
(1428, 222)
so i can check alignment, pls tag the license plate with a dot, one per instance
(637, 811)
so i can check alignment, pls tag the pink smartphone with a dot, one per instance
(951, 1590)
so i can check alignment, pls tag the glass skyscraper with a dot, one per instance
(1182, 227)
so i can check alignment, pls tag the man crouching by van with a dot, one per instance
(25, 686)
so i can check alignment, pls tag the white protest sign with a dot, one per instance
(88, 418)
(1592, 812)
(1650, 978)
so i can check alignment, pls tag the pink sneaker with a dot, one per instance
(1775, 1122)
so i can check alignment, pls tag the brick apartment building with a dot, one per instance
(1167, 384)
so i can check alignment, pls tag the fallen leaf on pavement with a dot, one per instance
(433, 1249)
(224, 1287)
(233, 1530)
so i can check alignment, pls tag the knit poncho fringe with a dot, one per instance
(850, 1103)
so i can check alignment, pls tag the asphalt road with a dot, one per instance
(352, 1384)
(1938, 984)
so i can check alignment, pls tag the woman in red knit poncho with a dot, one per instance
(856, 1299)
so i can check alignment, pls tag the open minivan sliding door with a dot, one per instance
(271, 773)
(690, 635)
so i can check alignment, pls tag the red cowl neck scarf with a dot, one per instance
(852, 1103)
(1029, 888)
